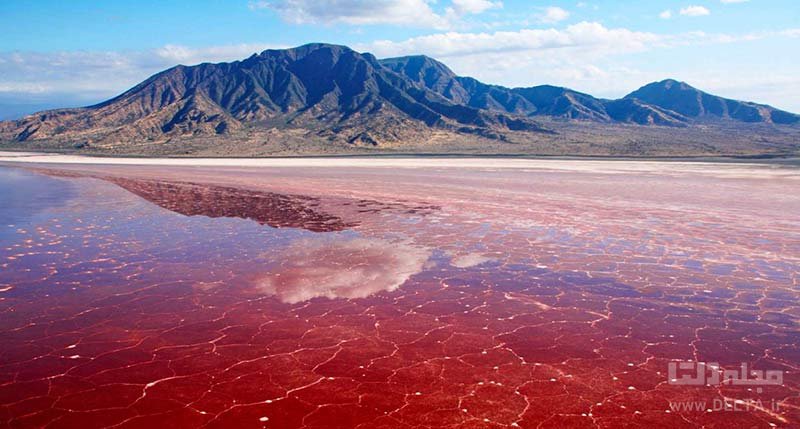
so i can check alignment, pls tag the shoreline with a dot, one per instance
(380, 158)
(675, 168)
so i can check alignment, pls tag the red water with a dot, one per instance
(396, 298)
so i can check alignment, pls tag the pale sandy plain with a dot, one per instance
(742, 169)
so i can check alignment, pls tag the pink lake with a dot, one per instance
(397, 293)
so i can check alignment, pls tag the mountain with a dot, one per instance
(563, 103)
(542, 100)
(692, 103)
(332, 99)
(631, 110)
(666, 103)
(330, 89)
(433, 75)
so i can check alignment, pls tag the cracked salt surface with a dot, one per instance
(345, 307)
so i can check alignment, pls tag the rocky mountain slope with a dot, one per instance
(320, 93)
(692, 103)
(668, 103)
(327, 88)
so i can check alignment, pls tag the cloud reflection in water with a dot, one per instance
(342, 268)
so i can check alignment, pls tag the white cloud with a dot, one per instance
(413, 13)
(667, 14)
(588, 37)
(184, 55)
(552, 15)
(791, 32)
(23, 87)
(695, 11)
(463, 7)
(584, 35)
(356, 12)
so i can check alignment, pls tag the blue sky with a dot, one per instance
(55, 53)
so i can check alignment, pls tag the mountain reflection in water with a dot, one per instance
(275, 210)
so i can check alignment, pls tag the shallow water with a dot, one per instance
(467, 297)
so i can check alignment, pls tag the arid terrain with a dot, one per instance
(321, 99)
(574, 138)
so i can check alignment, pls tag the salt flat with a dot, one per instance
(588, 164)
(394, 292)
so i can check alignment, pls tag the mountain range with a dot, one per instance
(668, 102)
(330, 95)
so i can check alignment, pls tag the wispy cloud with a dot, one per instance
(358, 12)
(463, 7)
(411, 13)
(552, 15)
(586, 36)
(591, 35)
(93, 74)
(184, 55)
(667, 14)
(695, 11)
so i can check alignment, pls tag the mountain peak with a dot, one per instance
(418, 65)
(311, 47)
(414, 59)
(670, 84)
(690, 102)
(303, 51)
(428, 73)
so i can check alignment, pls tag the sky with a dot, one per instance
(63, 54)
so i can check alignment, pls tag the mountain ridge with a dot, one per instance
(325, 87)
(691, 102)
(555, 101)
(327, 92)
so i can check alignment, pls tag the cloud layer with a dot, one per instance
(584, 35)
